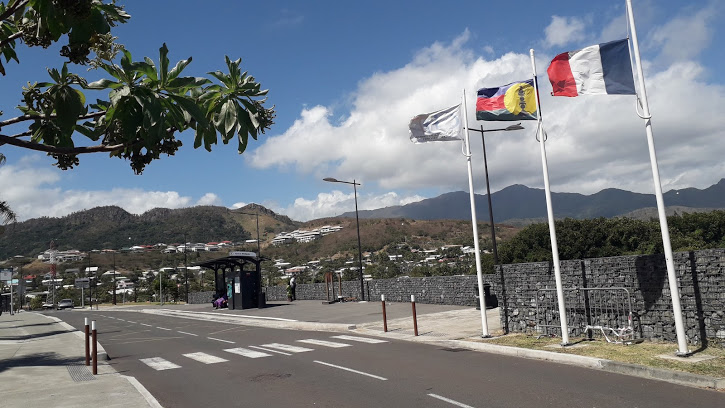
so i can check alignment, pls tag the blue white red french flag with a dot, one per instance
(602, 69)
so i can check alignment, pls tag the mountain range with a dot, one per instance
(520, 205)
(517, 205)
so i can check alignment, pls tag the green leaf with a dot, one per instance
(178, 68)
(68, 107)
(153, 75)
(101, 84)
(147, 69)
(164, 64)
(230, 118)
(191, 108)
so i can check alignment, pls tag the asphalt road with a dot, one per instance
(189, 363)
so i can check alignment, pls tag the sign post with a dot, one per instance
(82, 283)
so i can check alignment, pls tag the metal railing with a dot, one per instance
(597, 310)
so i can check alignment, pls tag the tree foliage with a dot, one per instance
(147, 103)
(602, 237)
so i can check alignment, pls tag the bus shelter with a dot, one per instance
(239, 276)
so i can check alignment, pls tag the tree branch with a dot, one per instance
(10, 39)
(12, 9)
(23, 118)
(58, 150)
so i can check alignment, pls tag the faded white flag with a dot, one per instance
(437, 126)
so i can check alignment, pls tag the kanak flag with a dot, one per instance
(602, 69)
(514, 101)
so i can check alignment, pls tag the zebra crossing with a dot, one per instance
(260, 351)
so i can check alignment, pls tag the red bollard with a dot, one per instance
(95, 347)
(415, 318)
(385, 318)
(88, 351)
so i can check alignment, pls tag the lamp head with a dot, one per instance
(515, 127)
(331, 179)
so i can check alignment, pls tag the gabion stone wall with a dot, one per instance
(529, 298)
(446, 290)
(700, 278)
(196, 298)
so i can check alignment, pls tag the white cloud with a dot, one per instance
(238, 205)
(337, 202)
(684, 37)
(32, 192)
(209, 199)
(594, 142)
(564, 30)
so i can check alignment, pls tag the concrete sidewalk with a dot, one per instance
(42, 364)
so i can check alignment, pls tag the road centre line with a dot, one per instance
(271, 351)
(225, 341)
(162, 328)
(190, 334)
(118, 318)
(131, 322)
(450, 401)
(144, 324)
(351, 370)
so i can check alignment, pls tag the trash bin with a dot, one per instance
(491, 300)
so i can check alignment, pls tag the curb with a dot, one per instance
(102, 355)
(676, 377)
(660, 374)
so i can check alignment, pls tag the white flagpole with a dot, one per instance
(484, 322)
(550, 213)
(671, 277)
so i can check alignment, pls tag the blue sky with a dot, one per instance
(346, 77)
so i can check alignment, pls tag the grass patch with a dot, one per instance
(645, 353)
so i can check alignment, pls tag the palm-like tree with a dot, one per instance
(6, 214)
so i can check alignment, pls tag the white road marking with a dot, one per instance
(144, 324)
(131, 322)
(158, 363)
(271, 351)
(120, 319)
(190, 334)
(450, 401)
(286, 347)
(162, 328)
(247, 352)
(225, 341)
(324, 343)
(360, 339)
(205, 358)
(351, 370)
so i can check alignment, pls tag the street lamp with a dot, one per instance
(186, 271)
(490, 210)
(114, 277)
(357, 219)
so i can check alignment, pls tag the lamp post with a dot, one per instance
(490, 210)
(161, 293)
(114, 277)
(186, 272)
(357, 219)
(259, 248)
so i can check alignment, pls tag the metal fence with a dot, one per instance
(602, 309)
